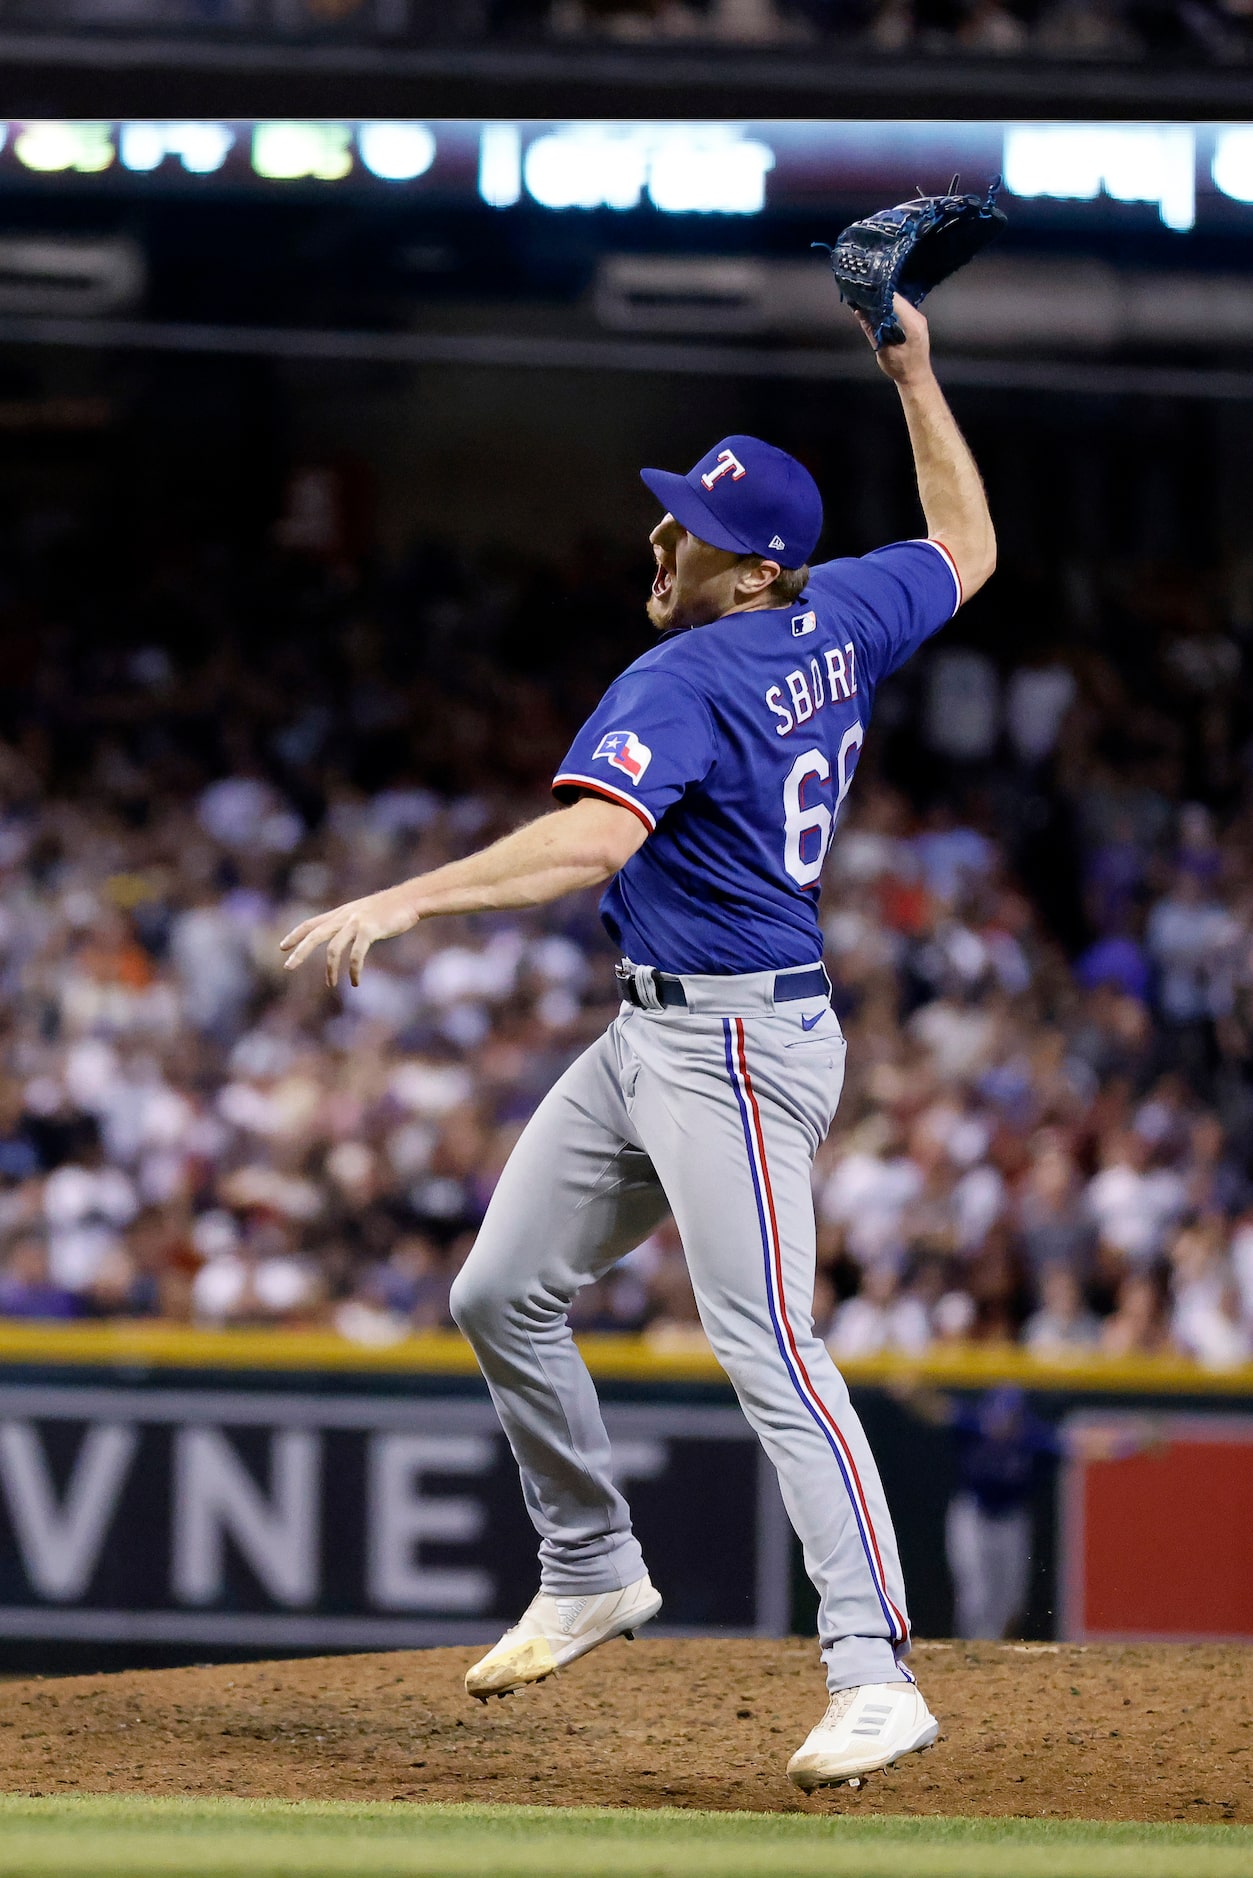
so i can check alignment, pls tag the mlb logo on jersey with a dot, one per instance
(625, 752)
(803, 623)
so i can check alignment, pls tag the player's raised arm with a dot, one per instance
(579, 846)
(949, 485)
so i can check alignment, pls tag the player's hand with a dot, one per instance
(911, 361)
(352, 928)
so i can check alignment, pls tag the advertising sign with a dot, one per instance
(250, 1519)
(1157, 1542)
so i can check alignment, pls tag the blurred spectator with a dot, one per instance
(26, 1289)
(1192, 938)
(256, 1278)
(1052, 1218)
(1137, 1324)
(1132, 1202)
(880, 1317)
(1205, 1302)
(1062, 1326)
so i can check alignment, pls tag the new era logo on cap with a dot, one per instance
(747, 497)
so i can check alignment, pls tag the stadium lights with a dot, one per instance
(1184, 174)
(500, 165)
(396, 152)
(286, 150)
(706, 174)
(1153, 163)
(683, 168)
(51, 146)
(1232, 164)
(200, 147)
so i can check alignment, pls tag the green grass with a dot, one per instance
(88, 1836)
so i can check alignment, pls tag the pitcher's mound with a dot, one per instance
(1145, 1732)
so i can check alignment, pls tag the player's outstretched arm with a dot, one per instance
(949, 484)
(580, 846)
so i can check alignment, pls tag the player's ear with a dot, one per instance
(757, 576)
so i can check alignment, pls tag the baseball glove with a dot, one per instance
(909, 250)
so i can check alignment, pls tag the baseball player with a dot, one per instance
(704, 790)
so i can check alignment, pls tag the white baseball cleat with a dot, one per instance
(863, 1729)
(554, 1631)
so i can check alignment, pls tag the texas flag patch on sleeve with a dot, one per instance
(624, 751)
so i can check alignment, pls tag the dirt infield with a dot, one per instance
(1140, 1733)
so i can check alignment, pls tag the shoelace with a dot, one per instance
(568, 1611)
(839, 1705)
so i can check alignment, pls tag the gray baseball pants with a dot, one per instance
(713, 1112)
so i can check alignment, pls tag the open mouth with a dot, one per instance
(663, 580)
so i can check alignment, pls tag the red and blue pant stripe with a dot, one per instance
(785, 1339)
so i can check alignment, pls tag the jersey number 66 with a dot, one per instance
(808, 827)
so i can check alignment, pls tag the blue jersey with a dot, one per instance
(1000, 1467)
(735, 744)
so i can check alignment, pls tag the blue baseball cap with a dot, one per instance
(747, 497)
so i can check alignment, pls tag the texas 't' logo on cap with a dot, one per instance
(728, 464)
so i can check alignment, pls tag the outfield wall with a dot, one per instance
(173, 1495)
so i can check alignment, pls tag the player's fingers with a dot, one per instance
(335, 950)
(297, 933)
(356, 958)
(908, 317)
(309, 925)
(319, 931)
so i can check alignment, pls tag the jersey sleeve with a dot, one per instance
(900, 596)
(649, 739)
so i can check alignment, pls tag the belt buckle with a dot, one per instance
(626, 983)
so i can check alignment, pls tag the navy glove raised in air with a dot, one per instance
(909, 250)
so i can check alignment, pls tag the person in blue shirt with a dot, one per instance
(1001, 1450)
(704, 790)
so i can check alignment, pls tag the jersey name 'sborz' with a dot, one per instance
(748, 761)
(625, 751)
(825, 681)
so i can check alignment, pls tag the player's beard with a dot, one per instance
(672, 608)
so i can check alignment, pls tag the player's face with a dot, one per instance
(694, 582)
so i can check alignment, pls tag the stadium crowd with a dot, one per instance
(1204, 30)
(1209, 30)
(1038, 913)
